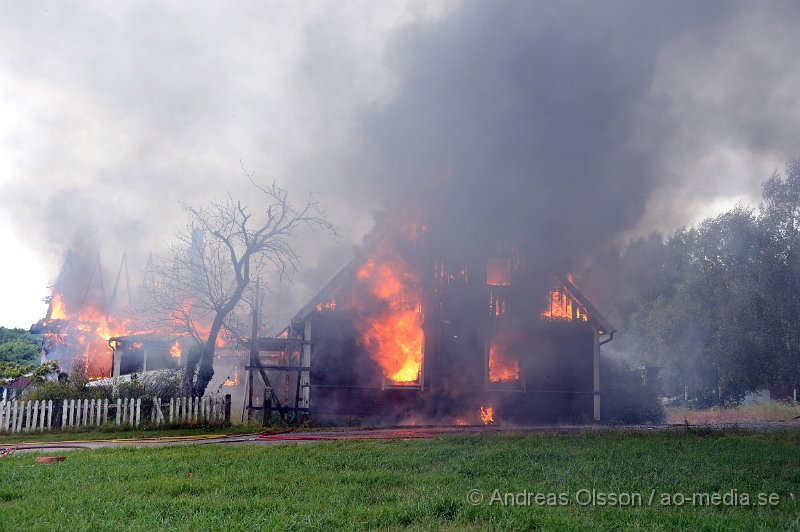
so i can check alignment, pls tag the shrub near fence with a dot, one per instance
(28, 416)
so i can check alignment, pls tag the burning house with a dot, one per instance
(407, 333)
(414, 329)
(81, 318)
(85, 325)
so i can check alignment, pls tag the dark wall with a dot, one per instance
(557, 367)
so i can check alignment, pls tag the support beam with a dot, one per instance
(596, 372)
(254, 359)
(267, 408)
(305, 381)
(117, 356)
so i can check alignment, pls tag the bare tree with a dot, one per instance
(197, 289)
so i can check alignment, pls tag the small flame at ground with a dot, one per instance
(175, 350)
(487, 415)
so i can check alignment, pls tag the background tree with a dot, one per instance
(19, 346)
(717, 305)
(780, 271)
(37, 373)
(197, 289)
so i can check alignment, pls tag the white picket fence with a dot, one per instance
(18, 416)
(28, 416)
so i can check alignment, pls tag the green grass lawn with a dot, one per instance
(110, 432)
(417, 483)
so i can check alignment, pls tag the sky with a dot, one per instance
(654, 114)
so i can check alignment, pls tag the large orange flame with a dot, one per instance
(57, 311)
(391, 331)
(503, 363)
(83, 335)
(487, 415)
(561, 305)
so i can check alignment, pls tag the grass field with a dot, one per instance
(769, 411)
(419, 483)
(111, 432)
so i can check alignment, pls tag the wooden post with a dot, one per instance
(50, 406)
(304, 376)
(28, 417)
(105, 411)
(267, 407)
(138, 411)
(58, 413)
(35, 416)
(119, 412)
(171, 410)
(253, 351)
(596, 375)
(21, 416)
(159, 412)
(227, 408)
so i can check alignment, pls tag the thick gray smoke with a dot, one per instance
(531, 124)
(547, 125)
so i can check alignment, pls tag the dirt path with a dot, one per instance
(364, 434)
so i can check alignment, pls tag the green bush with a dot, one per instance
(74, 386)
(164, 384)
